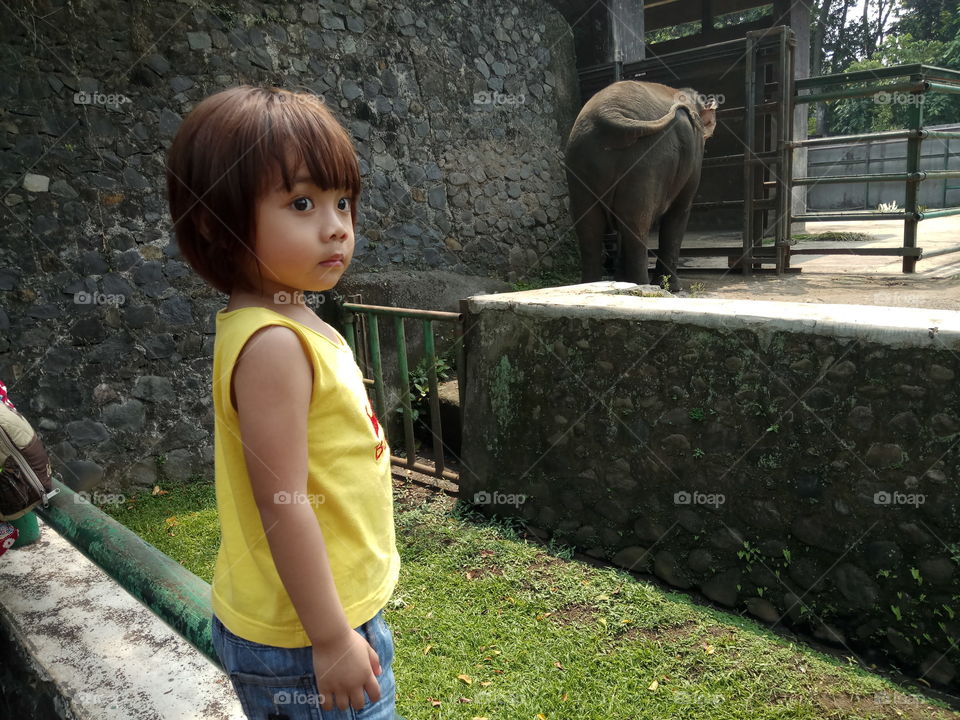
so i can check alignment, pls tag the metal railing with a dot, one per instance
(362, 330)
(920, 80)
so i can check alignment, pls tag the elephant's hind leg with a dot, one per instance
(633, 228)
(673, 225)
(590, 222)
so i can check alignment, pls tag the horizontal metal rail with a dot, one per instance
(872, 215)
(914, 87)
(945, 212)
(928, 71)
(941, 251)
(873, 177)
(897, 251)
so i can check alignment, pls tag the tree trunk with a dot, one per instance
(816, 60)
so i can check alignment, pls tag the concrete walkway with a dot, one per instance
(931, 235)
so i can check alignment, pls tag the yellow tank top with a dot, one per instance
(348, 465)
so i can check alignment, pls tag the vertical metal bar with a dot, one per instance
(748, 165)
(785, 186)
(946, 166)
(405, 392)
(461, 361)
(435, 427)
(377, 368)
(915, 113)
(350, 332)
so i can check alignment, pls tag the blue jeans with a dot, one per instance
(275, 683)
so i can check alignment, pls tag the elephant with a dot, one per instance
(633, 157)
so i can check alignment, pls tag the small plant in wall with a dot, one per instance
(748, 553)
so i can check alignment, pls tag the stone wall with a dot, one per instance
(459, 111)
(797, 461)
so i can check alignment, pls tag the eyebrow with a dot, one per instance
(297, 181)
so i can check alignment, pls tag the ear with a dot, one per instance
(708, 115)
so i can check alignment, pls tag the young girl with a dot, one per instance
(263, 187)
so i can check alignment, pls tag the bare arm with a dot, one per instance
(273, 381)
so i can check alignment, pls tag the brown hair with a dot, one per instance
(225, 156)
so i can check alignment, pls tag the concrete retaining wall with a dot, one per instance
(77, 646)
(799, 461)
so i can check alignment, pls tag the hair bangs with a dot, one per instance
(303, 133)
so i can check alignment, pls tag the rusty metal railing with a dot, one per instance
(362, 330)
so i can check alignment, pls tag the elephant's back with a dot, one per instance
(632, 99)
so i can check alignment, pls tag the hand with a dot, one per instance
(344, 668)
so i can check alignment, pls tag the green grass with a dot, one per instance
(833, 237)
(488, 625)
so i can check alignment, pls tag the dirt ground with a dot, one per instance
(848, 288)
(846, 279)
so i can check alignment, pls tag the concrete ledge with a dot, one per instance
(893, 326)
(107, 656)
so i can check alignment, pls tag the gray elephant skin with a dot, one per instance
(633, 157)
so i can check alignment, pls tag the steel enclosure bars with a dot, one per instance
(920, 81)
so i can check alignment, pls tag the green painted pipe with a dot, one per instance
(173, 593)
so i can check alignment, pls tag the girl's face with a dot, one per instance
(299, 234)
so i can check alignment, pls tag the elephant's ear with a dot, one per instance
(708, 115)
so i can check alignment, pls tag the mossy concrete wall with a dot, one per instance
(796, 461)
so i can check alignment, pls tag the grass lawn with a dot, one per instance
(488, 625)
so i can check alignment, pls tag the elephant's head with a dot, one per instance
(705, 107)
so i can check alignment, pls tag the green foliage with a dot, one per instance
(420, 384)
(858, 115)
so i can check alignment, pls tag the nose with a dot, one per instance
(337, 225)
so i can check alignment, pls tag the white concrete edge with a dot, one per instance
(894, 326)
(107, 654)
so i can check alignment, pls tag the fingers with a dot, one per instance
(373, 690)
(375, 662)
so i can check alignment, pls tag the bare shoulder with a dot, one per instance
(272, 363)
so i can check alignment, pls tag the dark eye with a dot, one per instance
(344, 203)
(301, 199)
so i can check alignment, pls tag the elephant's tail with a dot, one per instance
(623, 130)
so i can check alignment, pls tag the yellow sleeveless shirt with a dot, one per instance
(348, 481)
